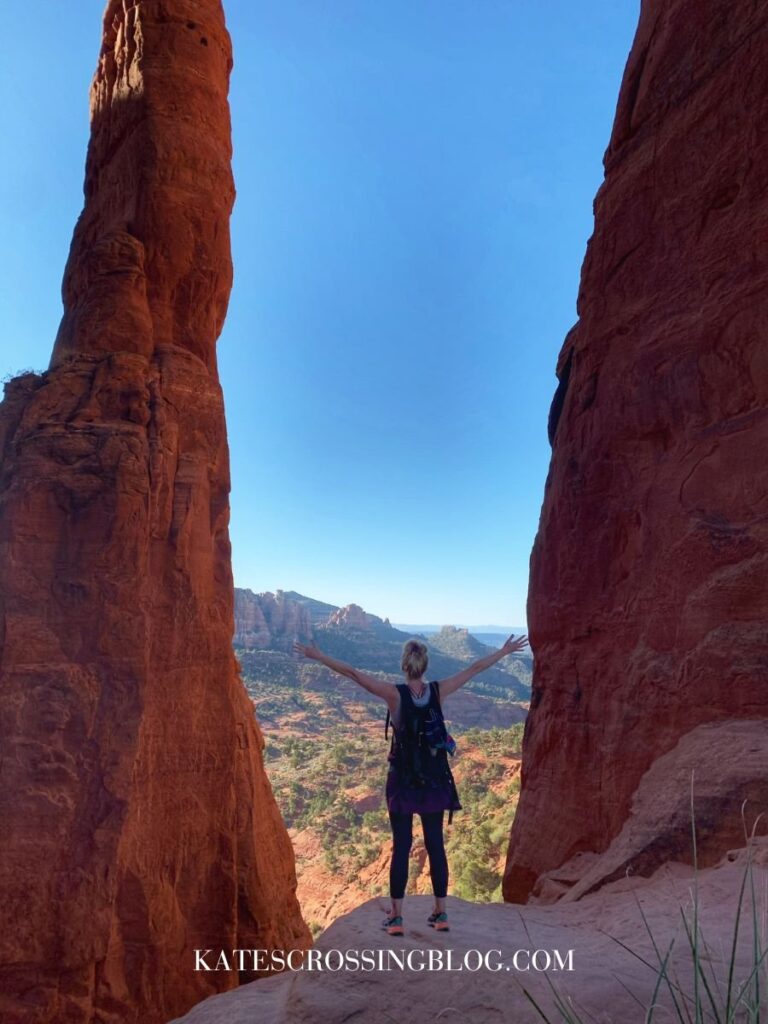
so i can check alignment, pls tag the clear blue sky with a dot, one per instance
(415, 182)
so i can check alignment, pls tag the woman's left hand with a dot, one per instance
(511, 646)
(306, 649)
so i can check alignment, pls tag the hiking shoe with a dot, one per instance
(438, 921)
(393, 925)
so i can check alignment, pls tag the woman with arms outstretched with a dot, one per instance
(419, 780)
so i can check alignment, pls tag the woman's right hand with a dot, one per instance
(512, 646)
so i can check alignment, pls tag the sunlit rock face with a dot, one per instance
(648, 601)
(137, 820)
(269, 620)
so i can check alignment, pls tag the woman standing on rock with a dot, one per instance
(419, 780)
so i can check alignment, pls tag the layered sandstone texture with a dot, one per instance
(276, 620)
(648, 602)
(138, 823)
(269, 620)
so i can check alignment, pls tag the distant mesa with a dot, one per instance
(275, 620)
(265, 618)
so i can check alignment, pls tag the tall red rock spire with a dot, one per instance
(150, 264)
(648, 601)
(138, 823)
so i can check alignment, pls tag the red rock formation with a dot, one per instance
(352, 615)
(269, 620)
(138, 823)
(648, 601)
(150, 262)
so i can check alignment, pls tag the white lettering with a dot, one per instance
(478, 962)
(409, 960)
(300, 953)
(340, 960)
(313, 957)
(435, 959)
(498, 966)
(514, 959)
(278, 958)
(200, 955)
(535, 959)
(561, 963)
(393, 955)
(386, 959)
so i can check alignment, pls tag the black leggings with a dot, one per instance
(402, 836)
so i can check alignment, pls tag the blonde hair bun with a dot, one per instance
(415, 659)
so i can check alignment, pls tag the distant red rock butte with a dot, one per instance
(352, 615)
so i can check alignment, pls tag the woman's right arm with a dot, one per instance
(373, 685)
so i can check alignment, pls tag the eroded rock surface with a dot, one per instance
(138, 823)
(648, 605)
(714, 780)
(270, 620)
(493, 946)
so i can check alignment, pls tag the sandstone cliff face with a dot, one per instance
(648, 601)
(150, 262)
(138, 823)
(269, 620)
(352, 615)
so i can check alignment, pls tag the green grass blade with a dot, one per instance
(755, 968)
(629, 992)
(703, 976)
(536, 1006)
(734, 944)
(659, 978)
(694, 947)
(661, 968)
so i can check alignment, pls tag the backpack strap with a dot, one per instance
(389, 717)
(455, 793)
(434, 696)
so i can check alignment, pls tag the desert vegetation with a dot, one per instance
(333, 784)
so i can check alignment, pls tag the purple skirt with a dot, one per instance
(439, 795)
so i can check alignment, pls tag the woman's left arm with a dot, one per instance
(454, 682)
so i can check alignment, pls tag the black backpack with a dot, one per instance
(421, 737)
(431, 722)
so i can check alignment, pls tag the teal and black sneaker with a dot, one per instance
(439, 921)
(393, 925)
